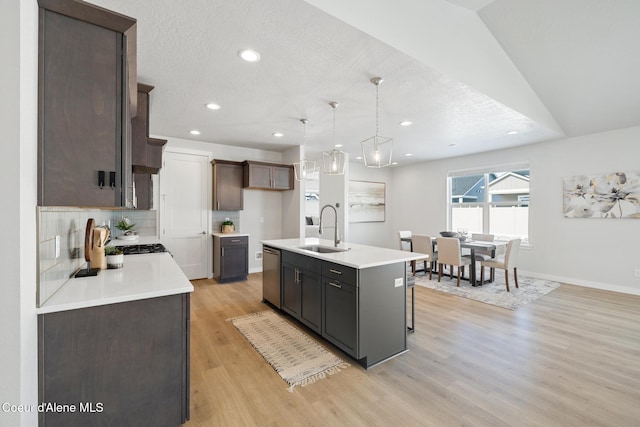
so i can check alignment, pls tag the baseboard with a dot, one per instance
(581, 282)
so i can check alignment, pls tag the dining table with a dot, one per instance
(473, 246)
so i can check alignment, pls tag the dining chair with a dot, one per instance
(404, 234)
(424, 244)
(449, 254)
(484, 254)
(504, 262)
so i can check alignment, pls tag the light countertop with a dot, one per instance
(230, 234)
(358, 256)
(143, 276)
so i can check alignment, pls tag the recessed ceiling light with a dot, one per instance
(213, 106)
(406, 123)
(249, 55)
(408, 155)
(359, 158)
(278, 134)
(338, 145)
(194, 132)
(394, 163)
(512, 132)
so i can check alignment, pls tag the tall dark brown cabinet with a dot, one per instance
(227, 185)
(86, 72)
(146, 152)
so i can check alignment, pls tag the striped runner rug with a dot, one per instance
(298, 359)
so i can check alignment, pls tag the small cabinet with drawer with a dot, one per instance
(230, 257)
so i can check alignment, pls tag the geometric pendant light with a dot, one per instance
(304, 167)
(377, 150)
(333, 162)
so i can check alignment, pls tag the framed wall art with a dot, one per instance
(615, 195)
(366, 201)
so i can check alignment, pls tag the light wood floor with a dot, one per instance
(571, 358)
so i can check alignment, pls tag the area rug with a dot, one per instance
(295, 357)
(492, 293)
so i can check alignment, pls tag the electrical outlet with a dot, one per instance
(258, 255)
(637, 273)
(398, 282)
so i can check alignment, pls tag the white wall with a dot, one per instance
(374, 233)
(262, 216)
(333, 191)
(18, 121)
(599, 253)
(293, 201)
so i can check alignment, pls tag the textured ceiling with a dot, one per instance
(581, 68)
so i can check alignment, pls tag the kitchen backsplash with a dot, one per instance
(70, 223)
(220, 216)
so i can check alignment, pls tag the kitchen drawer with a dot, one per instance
(340, 272)
(234, 241)
(302, 262)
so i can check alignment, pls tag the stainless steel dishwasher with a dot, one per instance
(271, 275)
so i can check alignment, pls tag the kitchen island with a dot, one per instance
(116, 346)
(353, 295)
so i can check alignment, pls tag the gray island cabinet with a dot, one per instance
(355, 298)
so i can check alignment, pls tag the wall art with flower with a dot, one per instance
(616, 195)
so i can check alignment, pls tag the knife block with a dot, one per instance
(98, 258)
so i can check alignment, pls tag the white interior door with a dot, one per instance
(184, 188)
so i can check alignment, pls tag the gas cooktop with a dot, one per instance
(150, 248)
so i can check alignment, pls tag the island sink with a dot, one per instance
(322, 249)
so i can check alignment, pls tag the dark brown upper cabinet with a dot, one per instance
(86, 71)
(146, 152)
(227, 185)
(267, 176)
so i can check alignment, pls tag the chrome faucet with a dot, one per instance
(336, 237)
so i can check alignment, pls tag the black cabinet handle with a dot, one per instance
(112, 179)
(101, 179)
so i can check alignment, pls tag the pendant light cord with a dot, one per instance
(377, 108)
(333, 137)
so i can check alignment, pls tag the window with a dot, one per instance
(492, 201)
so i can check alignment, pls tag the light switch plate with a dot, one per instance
(399, 282)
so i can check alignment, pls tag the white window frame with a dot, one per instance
(487, 203)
